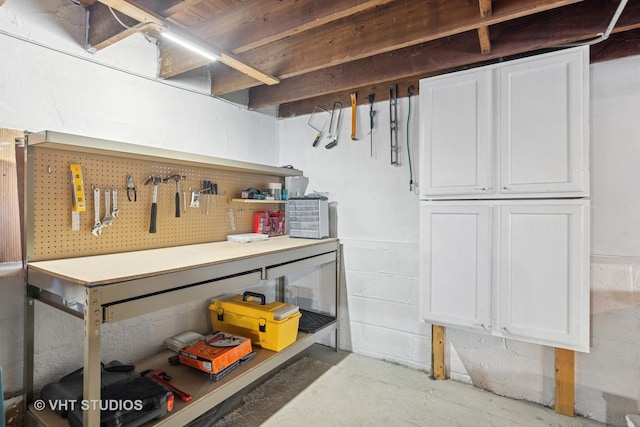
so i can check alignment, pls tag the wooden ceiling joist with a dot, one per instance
(256, 24)
(485, 42)
(321, 51)
(486, 9)
(145, 16)
(370, 34)
(529, 34)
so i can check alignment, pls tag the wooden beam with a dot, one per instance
(485, 42)
(105, 30)
(255, 24)
(486, 8)
(372, 33)
(569, 24)
(135, 11)
(565, 386)
(618, 45)
(437, 351)
(381, 92)
(10, 226)
(146, 16)
(249, 27)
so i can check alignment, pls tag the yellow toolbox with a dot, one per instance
(273, 326)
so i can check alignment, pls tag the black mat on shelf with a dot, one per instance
(311, 322)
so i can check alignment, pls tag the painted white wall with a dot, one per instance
(113, 94)
(377, 220)
(54, 84)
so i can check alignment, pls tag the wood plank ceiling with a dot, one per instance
(298, 54)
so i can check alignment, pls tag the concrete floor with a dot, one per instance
(353, 390)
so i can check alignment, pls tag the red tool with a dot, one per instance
(163, 378)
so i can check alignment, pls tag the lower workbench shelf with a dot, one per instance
(206, 394)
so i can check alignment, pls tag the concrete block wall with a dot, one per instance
(51, 83)
(377, 223)
(608, 377)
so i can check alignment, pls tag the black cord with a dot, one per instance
(409, 94)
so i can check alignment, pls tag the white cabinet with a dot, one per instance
(517, 269)
(455, 261)
(515, 129)
(456, 134)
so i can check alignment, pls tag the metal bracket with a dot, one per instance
(393, 115)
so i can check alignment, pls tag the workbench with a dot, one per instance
(114, 287)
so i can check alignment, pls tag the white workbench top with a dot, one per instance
(111, 268)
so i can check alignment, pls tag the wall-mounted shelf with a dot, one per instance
(85, 144)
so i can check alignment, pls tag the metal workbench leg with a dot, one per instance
(338, 274)
(29, 318)
(280, 288)
(92, 356)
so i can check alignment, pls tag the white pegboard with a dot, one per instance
(53, 237)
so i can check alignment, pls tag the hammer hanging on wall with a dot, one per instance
(155, 180)
(177, 179)
(354, 98)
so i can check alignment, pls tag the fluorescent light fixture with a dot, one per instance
(188, 44)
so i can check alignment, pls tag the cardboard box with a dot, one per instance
(216, 352)
(272, 326)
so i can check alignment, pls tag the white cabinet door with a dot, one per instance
(515, 269)
(455, 258)
(543, 283)
(513, 130)
(455, 154)
(543, 124)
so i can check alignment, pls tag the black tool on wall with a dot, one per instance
(177, 179)
(372, 97)
(155, 180)
(206, 189)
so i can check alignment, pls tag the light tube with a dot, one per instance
(190, 45)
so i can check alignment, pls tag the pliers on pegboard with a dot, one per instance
(131, 187)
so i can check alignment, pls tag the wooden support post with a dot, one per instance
(485, 41)
(437, 352)
(565, 382)
(486, 9)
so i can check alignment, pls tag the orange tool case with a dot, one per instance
(272, 326)
(216, 352)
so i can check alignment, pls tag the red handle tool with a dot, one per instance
(160, 376)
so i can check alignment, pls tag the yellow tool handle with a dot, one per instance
(353, 115)
(79, 204)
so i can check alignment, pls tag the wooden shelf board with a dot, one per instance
(205, 393)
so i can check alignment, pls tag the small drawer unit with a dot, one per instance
(308, 217)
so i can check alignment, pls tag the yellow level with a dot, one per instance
(78, 188)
